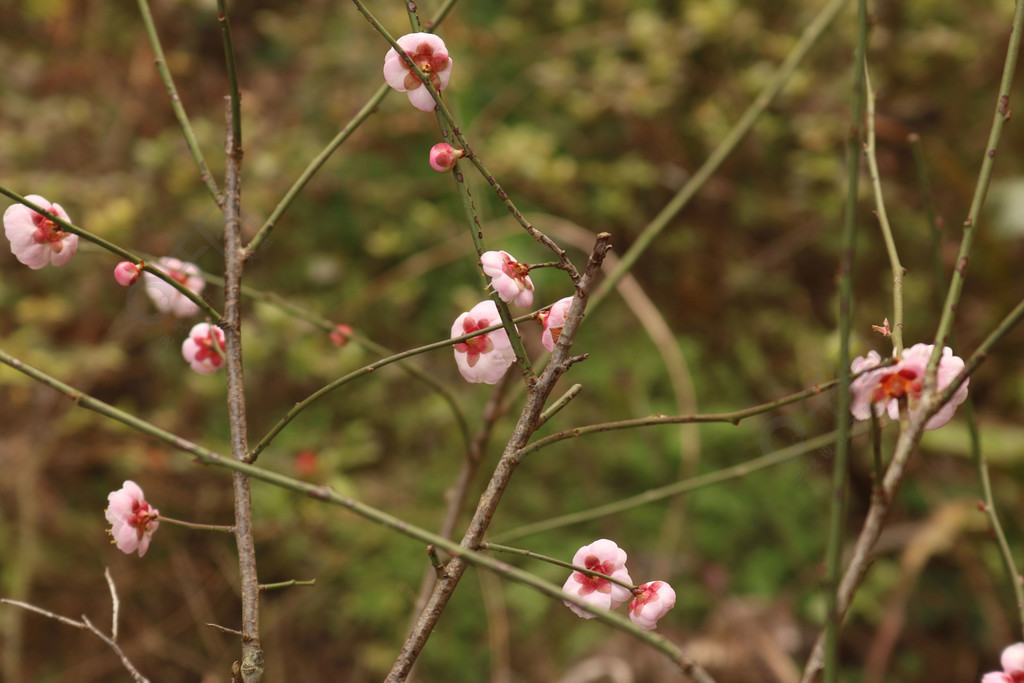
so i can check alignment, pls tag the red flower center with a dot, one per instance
(207, 351)
(141, 517)
(47, 231)
(903, 384)
(590, 584)
(428, 62)
(477, 345)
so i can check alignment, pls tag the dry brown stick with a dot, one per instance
(251, 666)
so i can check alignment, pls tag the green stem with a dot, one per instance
(732, 417)
(837, 513)
(328, 495)
(563, 259)
(179, 109)
(486, 545)
(312, 398)
(775, 84)
(473, 221)
(898, 271)
(1000, 117)
(194, 525)
(286, 584)
(234, 95)
(562, 402)
(118, 251)
(320, 159)
(677, 488)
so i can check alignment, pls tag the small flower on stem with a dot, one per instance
(131, 518)
(607, 558)
(509, 278)
(883, 329)
(35, 239)
(341, 335)
(127, 273)
(553, 320)
(882, 390)
(484, 358)
(443, 157)
(165, 297)
(650, 603)
(429, 53)
(1012, 660)
(204, 348)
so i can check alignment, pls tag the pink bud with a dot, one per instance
(443, 157)
(341, 335)
(127, 273)
(650, 603)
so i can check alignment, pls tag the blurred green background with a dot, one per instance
(591, 115)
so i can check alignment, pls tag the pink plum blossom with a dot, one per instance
(882, 389)
(131, 518)
(1012, 661)
(484, 358)
(650, 603)
(35, 239)
(428, 52)
(166, 298)
(199, 349)
(553, 320)
(443, 157)
(341, 335)
(127, 273)
(509, 278)
(602, 556)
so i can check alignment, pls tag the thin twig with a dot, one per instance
(115, 249)
(1000, 116)
(837, 509)
(677, 488)
(115, 603)
(320, 159)
(326, 494)
(87, 625)
(734, 417)
(176, 105)
(775, 83)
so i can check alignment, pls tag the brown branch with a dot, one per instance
(251, 666)
(529, 419)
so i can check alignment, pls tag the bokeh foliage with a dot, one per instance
(590, 114)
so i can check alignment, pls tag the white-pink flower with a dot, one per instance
(484, 358)
(127, 273)
(132, 519)
(431, 56)
(1012, 660)
(204, 348)
(509, 278)
(443, 157)
(651, 602)
(602, 556)
(553, 320)
(165, 297)
(35, 239)
(878, 391)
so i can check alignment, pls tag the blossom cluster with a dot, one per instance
(650, 601)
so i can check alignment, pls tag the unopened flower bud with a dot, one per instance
(341, 335)
(127, 273)
(443, 157)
